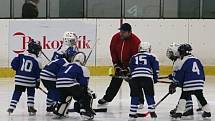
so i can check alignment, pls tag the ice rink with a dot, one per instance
(118, 109)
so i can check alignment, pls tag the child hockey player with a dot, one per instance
(144, 68)
(72, 82)
(189, 75)
(27, 69)
(69, 46)
(49, 73)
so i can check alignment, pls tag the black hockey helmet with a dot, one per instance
(184, 49)
(34, 47)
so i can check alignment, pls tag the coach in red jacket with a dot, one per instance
(123, 46)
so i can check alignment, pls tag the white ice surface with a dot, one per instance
(118, 109)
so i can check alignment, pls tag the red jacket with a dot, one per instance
(122, 50)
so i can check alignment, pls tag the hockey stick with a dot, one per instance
(90, 53)
(96, 110)
(163, 77)
(126, 77)
(45, 56)
(146, 114)
(165, 82)
(42, 90)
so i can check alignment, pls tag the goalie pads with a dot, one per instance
(62, 107)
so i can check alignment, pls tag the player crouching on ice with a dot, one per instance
(27, 69)
(190, 76)
(144, 68)
(72, 82)
(48, 75)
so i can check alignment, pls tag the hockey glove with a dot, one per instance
(172, 88)
(92, 93)
(155, 81)
(118, 70)
(125, 72)
(170, 77)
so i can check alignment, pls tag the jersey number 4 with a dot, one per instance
(26, 65)
(140, 60)
(195, 68)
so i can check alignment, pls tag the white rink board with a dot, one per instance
(160, 32)
(4, 29)
(202, 37)
(105, 30)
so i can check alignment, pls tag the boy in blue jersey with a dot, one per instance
(27, 69)
(72, 82)
(173, 55)
(190, 76)
(68, 46)
(49, 77)
(144, 68)
(48, 74)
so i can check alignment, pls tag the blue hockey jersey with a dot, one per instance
(71, 51)
(27, 67)
(144, 64)
(73, 74)
(50, 71)
(189, 74)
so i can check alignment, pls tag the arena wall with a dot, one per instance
(96, 34)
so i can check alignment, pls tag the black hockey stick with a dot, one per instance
(126, 77)
(146, 114)
(163, 77)
(90, 53)
(165, 82)
(96, 110)
(42, 90)
(45, 56)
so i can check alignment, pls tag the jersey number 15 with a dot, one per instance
(140, 60)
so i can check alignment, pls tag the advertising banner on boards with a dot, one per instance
(50, 35)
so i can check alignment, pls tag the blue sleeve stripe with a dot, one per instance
(65, 82)
(23, 81)
(47, 75)
(27, 80)
(48, 72)
(190, 86)
(141, 72)
(143, 68)
(62, 79)
(48, 78)
(25, 77)
(67, 85)
(192, 81)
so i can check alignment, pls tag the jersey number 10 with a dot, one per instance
(26, 65)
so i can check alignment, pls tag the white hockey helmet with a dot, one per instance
(80, 57)
(145, 47)
(172, 51)
(70, 38)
